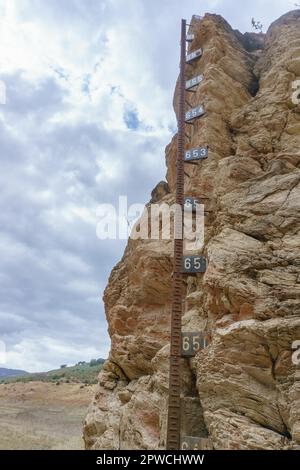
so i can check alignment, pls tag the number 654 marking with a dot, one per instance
(194, 113)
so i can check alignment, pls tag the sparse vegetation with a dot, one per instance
(257, 25)
(96, 362)
(86, 373)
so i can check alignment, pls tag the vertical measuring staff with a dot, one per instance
(174, 409)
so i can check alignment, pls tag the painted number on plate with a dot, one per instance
(194, 264)
(196, 154)
(194, 55)
(193, 82)
(192, 343)
(190, 203)
(193, 113)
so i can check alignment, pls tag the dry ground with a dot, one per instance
(41, 415)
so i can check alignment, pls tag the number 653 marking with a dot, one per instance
(196, 154)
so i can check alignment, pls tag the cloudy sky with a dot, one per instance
(89, 88)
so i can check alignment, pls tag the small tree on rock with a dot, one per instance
(257, 25)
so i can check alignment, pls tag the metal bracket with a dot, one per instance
(187, 102)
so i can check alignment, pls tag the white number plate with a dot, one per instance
(193, 82)
(190, 37)
(194, 264)
(192, 343)
(190, 203)
(194, 55)
(198, 153)
(194, 113)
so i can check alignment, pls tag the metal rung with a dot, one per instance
(175, 406)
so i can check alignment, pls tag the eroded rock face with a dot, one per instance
(243, 390)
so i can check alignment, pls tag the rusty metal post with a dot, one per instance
(174, 408)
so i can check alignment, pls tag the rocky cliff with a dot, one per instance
(243, 390)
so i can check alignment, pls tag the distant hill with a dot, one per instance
(83, 372)
(11, 372)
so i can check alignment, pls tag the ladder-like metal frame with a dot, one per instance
(174, 407)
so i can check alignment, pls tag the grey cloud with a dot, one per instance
(24, 97)
(55, 270)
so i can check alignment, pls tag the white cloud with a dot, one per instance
(40, 354)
